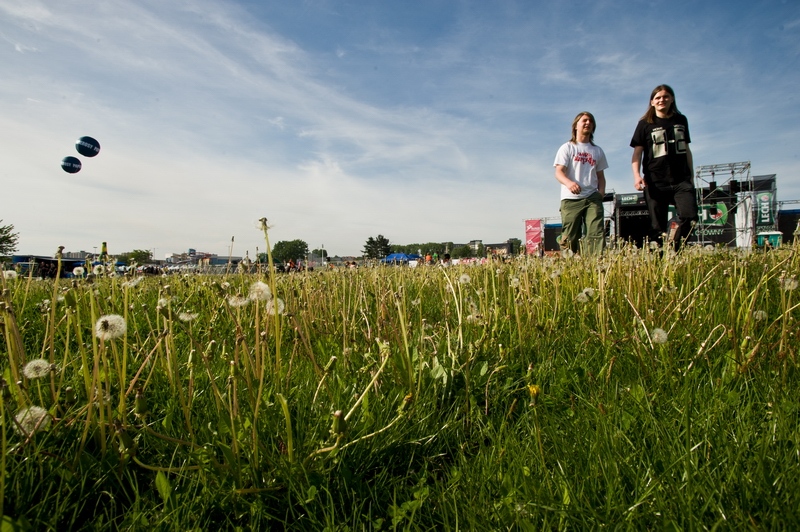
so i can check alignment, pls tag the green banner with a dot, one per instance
(764, 214)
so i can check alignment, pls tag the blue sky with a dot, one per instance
(431, 120)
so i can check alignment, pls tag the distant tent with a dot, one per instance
(400, 258)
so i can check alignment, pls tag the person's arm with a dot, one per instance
(636, 166)
(563, 178)
(601, 182)
(690, 161)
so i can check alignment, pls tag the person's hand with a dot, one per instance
(575, 188)
(638, 183)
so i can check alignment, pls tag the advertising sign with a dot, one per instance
(764, 215)
(715, 225)
(533, 236)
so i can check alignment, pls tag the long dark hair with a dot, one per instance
(650, 115)
(574, 139)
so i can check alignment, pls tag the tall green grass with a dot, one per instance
(631, 391)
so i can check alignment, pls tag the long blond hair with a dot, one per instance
(574, 138)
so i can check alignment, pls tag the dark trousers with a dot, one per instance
(659, 198)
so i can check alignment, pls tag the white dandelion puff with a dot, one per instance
(225, 285)
(187, 316)
(110, 326)
(98, 269)
(260, 291)
(589, 292)
(9, 275)
(515, 282)
(464, 279)
(759, 315)
(162, 302)
(38, 368)
(237, 301)
(788, 283)
(659, 336)
(78, 271)
(132, 282)
(275, 306)
(582, 298)
(31, 419)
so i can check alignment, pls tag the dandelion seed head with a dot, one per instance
(110, 326)
(78, 271)
(464, 279)
(9, 275)
(260, 291)
(31, 419)
(788, 283)
(37, 368)
(515, 282)
(582, 298)
(225, 285)
(659, 336)
(237, 301)
(759, 315)
(132, 282)
(589, 292)
(187, 316)
(98, 269)
(275, 306)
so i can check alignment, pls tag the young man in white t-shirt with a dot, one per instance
(580, 166)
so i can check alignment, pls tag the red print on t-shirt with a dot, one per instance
(584, 157)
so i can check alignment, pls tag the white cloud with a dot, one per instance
(210, 117)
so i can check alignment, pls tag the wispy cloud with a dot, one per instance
(339, 122)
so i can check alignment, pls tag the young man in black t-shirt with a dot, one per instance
(662, 166)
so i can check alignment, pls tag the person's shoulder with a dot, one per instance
(565, 148)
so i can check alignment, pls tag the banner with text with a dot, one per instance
(533, 236)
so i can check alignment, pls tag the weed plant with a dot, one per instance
(633, 391)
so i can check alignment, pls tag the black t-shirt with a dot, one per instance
(665, 143)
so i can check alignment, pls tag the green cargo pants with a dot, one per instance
(580, 214)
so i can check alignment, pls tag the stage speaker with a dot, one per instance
(552, 232)
(633, 223)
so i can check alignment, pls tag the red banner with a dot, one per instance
(533, 236)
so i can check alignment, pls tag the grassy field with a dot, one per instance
(634, 391)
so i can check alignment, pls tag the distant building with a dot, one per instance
(76, 254)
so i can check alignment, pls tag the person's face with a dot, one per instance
(584, 125)
(662, 102)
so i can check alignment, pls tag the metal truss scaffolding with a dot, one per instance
(730, 189)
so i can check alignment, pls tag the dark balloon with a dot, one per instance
(71, 165)
(87, 146)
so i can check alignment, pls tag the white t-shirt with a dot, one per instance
(582, 162)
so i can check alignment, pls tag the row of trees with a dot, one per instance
(378, 247)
